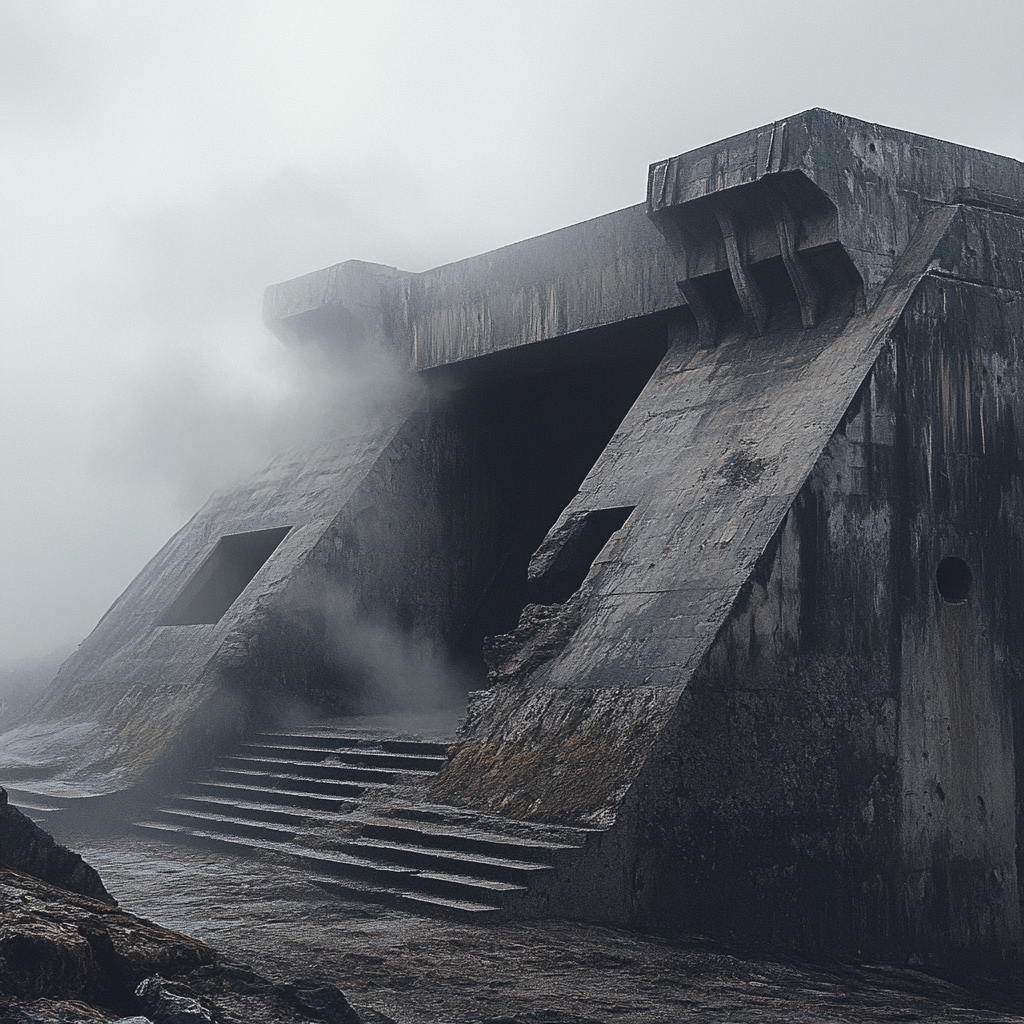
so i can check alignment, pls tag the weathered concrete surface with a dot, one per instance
(409, 540)
(846, 762)
(779, 570)
(712, 455)
(552, 755)
(137, 693)
(603, 271)
(879, 182)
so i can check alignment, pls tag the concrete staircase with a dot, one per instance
(351, 808)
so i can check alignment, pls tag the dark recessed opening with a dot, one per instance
(533, 421)
(227, 571)
(586, 536)
(953, 578)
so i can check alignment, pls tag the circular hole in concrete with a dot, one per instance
(953, 578)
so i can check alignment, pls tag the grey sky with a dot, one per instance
(161, 162)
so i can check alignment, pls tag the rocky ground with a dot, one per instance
(255, 942)
(418, 970)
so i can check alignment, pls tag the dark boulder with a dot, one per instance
(167, 1002)
(66, 957)
(25, 847)
(59, 945)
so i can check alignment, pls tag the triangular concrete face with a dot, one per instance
(726, 488)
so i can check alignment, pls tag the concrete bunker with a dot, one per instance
(683, 466)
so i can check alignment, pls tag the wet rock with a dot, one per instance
(240, 994)
(167, 1002)
(26, 847)
(69, 958)
(323, 1001)
(57, 1011)
(59, 945)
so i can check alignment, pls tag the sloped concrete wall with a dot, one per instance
(138, 694)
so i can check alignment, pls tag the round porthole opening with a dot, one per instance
(953, 578)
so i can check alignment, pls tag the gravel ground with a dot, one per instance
(419, 970)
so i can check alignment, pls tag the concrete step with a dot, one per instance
(407, 899)
(429, 883)
(234, 824)
(296, 781)
(468, 840)
(336, 741)
(501, 869)
(243, 807)
(342, 807)
(446, 816)
(361, 756)
(256, 820)
(297, 797)
(355, 741)
(323, 770)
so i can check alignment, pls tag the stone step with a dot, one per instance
(297, 781)
(271, 823)
(320, 769)
(233, 823)
(502, 869)
(355, 756)
(343, 808)
(468, 840)
(461, 819)
(297, 797)
(407, 899)
(336, 741)
(427, 883)
(243, 807)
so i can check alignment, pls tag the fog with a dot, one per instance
(162, 163)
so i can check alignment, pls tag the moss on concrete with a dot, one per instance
(563, 756)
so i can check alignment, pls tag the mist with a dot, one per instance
(373, 666)
(160, 164)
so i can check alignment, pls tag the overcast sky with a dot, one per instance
(162, 162)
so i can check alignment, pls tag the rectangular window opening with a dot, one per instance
(585, 536)
(222, 577)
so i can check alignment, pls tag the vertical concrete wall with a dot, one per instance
(844, 768)
(959, 367)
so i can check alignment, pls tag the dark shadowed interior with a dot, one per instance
(225, 573)
(535, 421)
